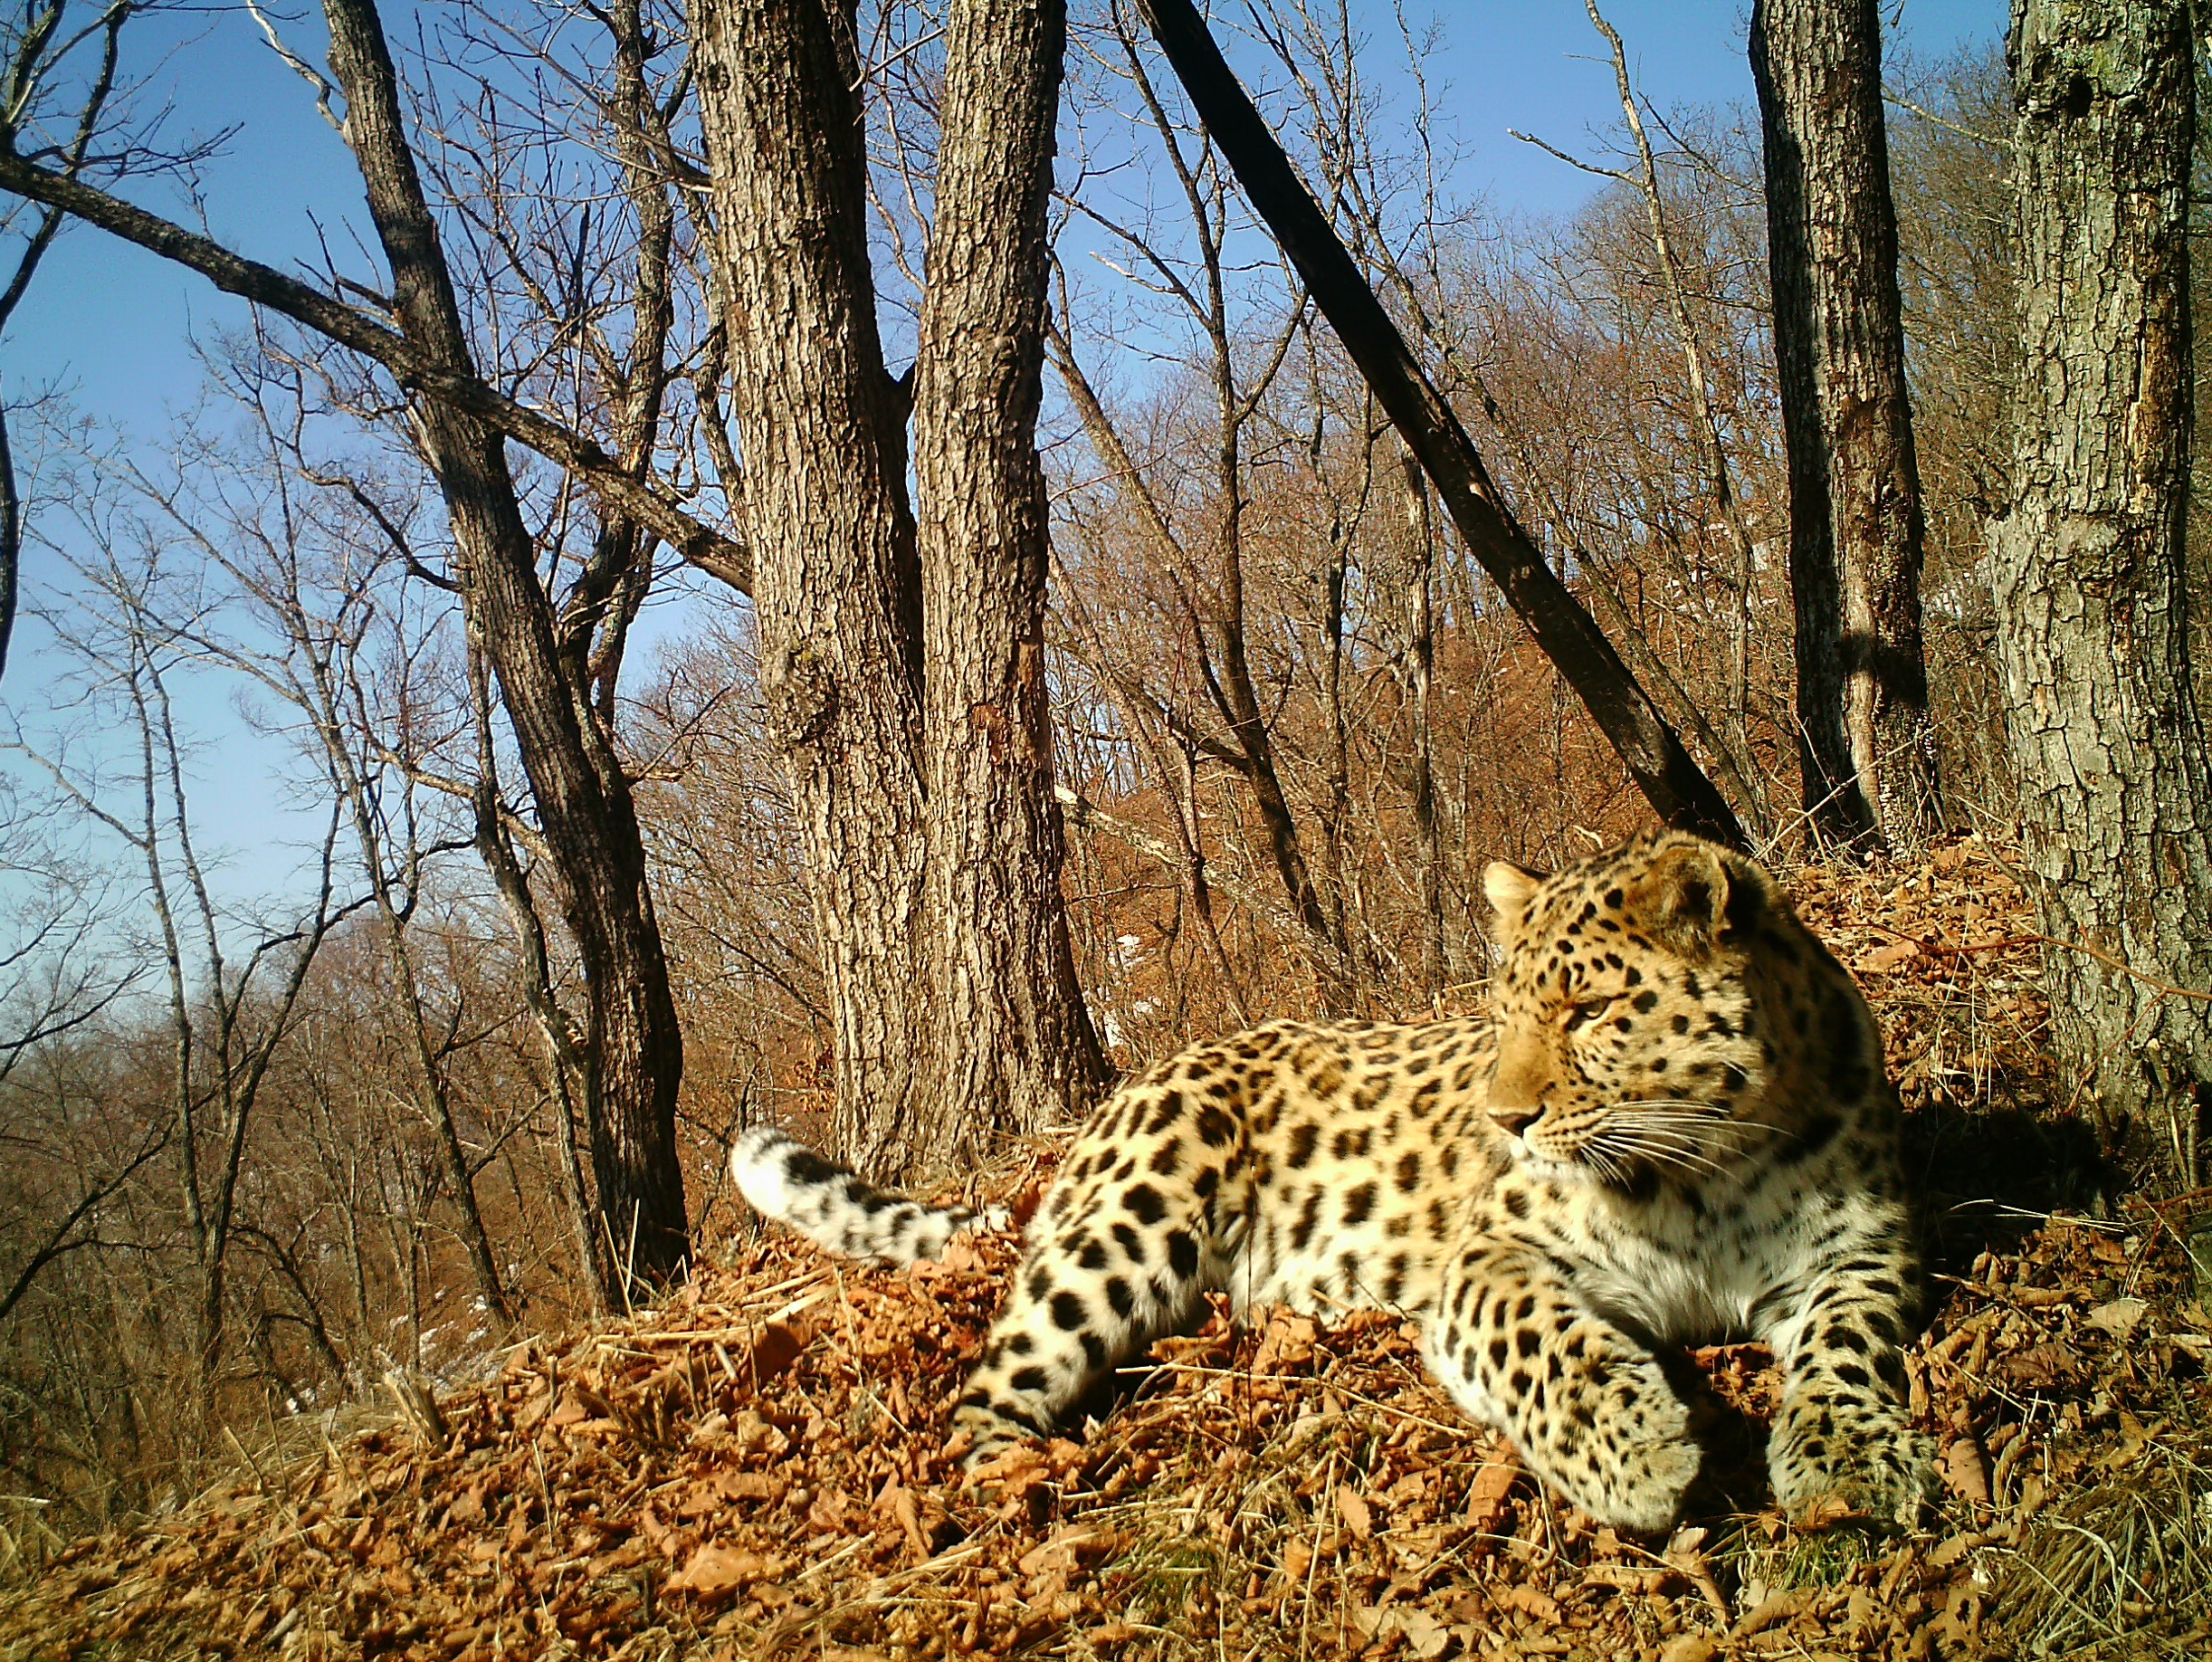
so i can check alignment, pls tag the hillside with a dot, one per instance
(756, 1469)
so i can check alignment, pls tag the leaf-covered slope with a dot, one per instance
(756, 1469)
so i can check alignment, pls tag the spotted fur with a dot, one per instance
(1673, 1127)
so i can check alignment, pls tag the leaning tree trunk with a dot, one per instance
(2089, 567)
(1669, 778)
(1000, 963)
(634, 1048)
(1867, 746)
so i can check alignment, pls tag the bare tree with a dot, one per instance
(1200, 572)
(231, 992)
(319, 617)
(59, 976)
(1856, 531)
(1730, 741)
(900, 645)
(41, 44)
(634, 1050)
(634, 1045)
(1671, 779)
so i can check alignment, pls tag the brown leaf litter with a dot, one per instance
(758, 1469)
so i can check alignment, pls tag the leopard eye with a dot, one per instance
(1585, 1012)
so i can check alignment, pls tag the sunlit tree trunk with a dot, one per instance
(1866, 743)
(2090, 568)
(1018, 1040)
(634, 1048)
(902, 666)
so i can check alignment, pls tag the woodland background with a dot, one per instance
(259, 1156)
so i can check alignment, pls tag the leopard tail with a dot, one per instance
(782, 1177)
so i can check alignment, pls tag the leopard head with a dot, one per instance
(1630, 1027)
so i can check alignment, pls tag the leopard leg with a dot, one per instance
(1093, 1293)
(1586, 1403)
(1843, 1433)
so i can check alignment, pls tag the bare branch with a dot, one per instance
(648, 501)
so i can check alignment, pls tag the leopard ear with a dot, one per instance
(1509, 888)
(1692, 895)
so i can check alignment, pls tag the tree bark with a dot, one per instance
(834, 579)
(1866, 745)
(2089, 567)
(1008, 1005)
(633, 1047)
(1669, 779)
(903, 662)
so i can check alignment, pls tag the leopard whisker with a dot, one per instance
(1677, 1107)
(1664, 1153)
(1688, 1131)
(1673, 1111)
(1676, 1113)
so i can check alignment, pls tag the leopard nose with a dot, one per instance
(1511, 1117)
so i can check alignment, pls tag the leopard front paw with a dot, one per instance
(1647, 1488)
(1832, 1458)
(1643, 1457)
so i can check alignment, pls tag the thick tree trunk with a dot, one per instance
(633, 1047)
(834, 580)
(1001, 966)
(920, 752)
(1866, 745)
(2089, 567)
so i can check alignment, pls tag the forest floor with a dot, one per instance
(757, 1469)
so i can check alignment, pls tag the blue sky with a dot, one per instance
(112, 328)
(113, 324)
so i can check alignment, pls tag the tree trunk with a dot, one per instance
(1008, 1002)
(1867, 746)
(633, 1047)
(925, 798)
(2089, 567)
(834, 580)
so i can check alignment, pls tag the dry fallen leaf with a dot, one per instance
(1883, 960)
(1355, 1512)
(1486, 1495)
(1075, 1546)
(1774, 1610)
(1966, 1471)
(1287, 1343)
(2119, 1316)
(776, 1349)
(717, 1572)
(1521, 1596)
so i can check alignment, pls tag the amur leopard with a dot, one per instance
(1674, 1126)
